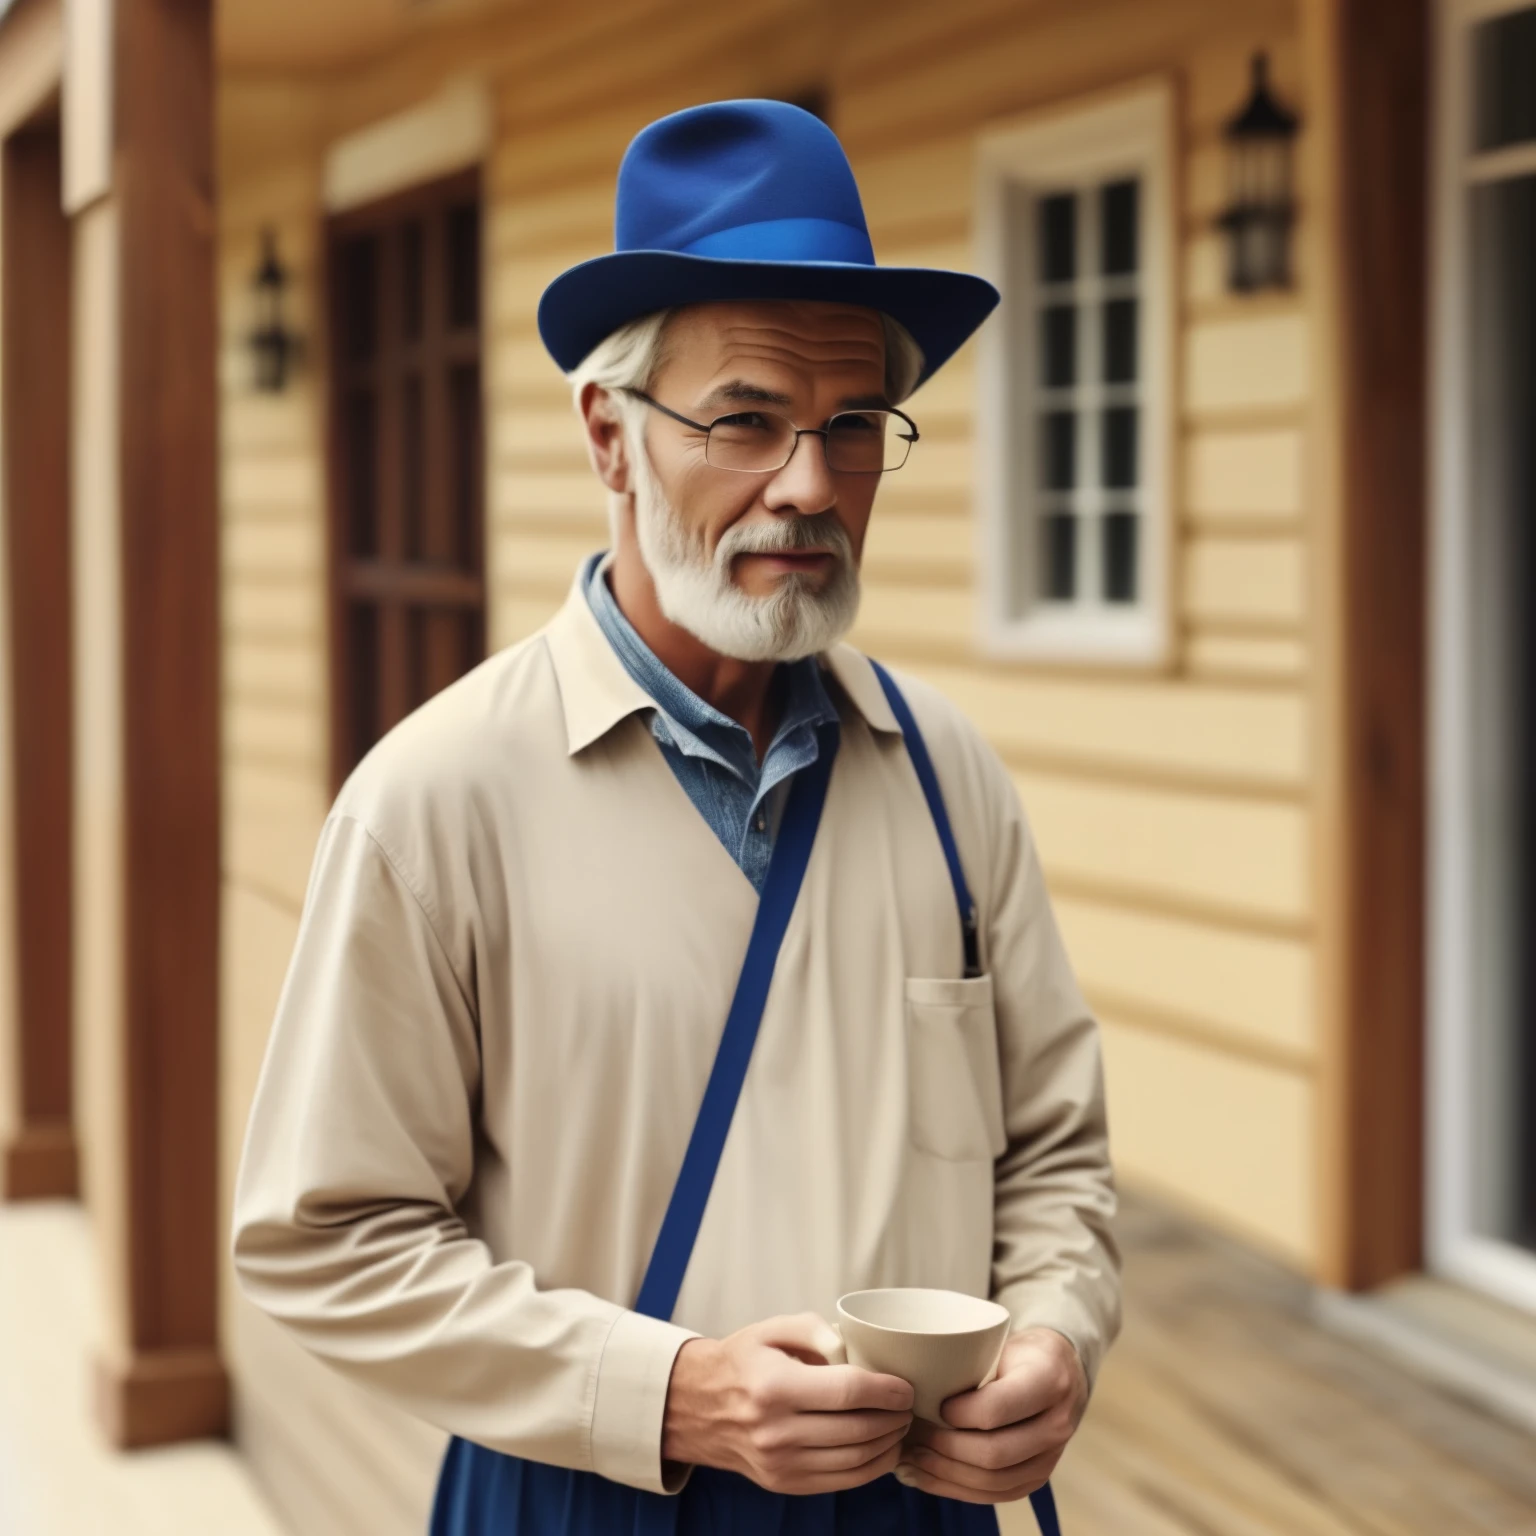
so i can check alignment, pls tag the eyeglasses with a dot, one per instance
(754, 442)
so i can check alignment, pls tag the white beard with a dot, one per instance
(696, 592)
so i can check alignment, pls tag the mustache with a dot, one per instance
(815, 530)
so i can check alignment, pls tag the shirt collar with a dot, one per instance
(597, 691)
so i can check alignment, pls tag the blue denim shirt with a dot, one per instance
(711, 754)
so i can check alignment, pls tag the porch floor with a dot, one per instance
(1224, 1410)
(58, 1477)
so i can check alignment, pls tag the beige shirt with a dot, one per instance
(519, 943)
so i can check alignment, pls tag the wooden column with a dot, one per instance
(1382, 113)
(171, 1385)
(39, 1159)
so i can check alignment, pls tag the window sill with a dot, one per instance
(1078, 639)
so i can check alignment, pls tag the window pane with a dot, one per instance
(1058, 556)
(1505, 89)
(1120, 341)
(1058, 346)
(1058, 449)
(1058, 238)
(1120, 557)
(1120, 447)
(1119, 202)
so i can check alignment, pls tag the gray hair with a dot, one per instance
(630, 357)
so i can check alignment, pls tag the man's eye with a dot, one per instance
(858, 424)
(748, 419)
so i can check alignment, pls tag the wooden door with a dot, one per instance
(407, 524)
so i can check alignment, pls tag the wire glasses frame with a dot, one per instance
(761, 449)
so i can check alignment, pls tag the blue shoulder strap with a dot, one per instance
(781, 889)
(917, 750)
(1042, 1500)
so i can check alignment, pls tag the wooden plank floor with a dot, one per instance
(58, 1477)
(1224, 1410)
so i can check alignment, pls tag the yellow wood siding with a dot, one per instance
(1227, 1137)
(1175, 809)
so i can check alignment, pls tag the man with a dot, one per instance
(504, 1165)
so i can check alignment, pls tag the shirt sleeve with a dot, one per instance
(1055, 1259)
(359, 1148)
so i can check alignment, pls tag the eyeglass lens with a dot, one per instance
(858, 442)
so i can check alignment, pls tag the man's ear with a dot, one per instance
(607, 446)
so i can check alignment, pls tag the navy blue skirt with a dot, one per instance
(484, 1493)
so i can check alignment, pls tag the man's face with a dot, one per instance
(764, 564)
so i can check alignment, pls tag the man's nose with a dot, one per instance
(805, 484)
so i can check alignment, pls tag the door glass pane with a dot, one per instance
(362, 677)
(358, 273)
(360, 426)
(464, 266)
(1504, 93)
(464, 446)
(1502, 416)
(412, 291)
(442, 644)
(413, 487)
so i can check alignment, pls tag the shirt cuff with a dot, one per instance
(632, 1379)
(1066, 1320)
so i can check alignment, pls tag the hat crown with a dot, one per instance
(689, 179)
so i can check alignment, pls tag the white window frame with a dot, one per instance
(1457, 1249)
(1128, 134)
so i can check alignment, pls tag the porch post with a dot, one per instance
(38, 1157)
(164, 1381)
(1370, 58)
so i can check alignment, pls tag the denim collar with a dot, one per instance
(693, 725)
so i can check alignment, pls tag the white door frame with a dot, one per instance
(1456, 1249)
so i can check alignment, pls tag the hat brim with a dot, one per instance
(593, 299)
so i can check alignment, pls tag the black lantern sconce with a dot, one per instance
(274, 348)
(1261, 205)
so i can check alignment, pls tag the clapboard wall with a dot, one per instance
(1177, 809)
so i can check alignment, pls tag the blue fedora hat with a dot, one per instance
(747, 200)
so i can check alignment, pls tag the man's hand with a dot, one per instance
(1008, 1435)
(755, 1403)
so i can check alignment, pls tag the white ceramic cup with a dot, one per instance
(942, 1342)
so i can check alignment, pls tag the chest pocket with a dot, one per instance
(955, 1096)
